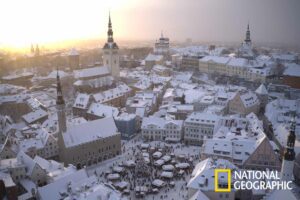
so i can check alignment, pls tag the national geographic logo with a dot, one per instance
(222, 171)
(249, 180)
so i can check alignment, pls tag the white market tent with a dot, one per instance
(167, 174)
(157, 154)
(113, 176)
(182, 165)
(168, 167)
(158, 183)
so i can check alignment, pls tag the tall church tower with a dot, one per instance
(111, 52)
(60, 106)
(37, 50)
(289, 155)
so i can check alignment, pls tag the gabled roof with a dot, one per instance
(261, 90)
(91, 72)
(90, 131)
(35, 115)
(81, 101)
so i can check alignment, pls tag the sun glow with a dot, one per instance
(47, 21)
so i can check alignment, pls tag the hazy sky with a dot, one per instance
(40, 21)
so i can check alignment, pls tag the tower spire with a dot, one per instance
(32, 49)
(248, 39)
(289, 153)
(60, 99)
(37, 50)
(110, 31)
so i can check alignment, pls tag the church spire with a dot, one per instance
(248, 39)
(60, 99)
(32, 49)
(37, 50)
(60, 105)
(110, 31)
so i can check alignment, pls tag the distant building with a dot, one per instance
(244, 144)
(81, 104)
(73, 57)
(92, 79)
(190, 61)
(162, 45)
(213, 64)
(245, 51)
(159, 129)
(23, 79)
(111, 53)
(198, 127)
(116, 97)
(161, 70)
(152, 60)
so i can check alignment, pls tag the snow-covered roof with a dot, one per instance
(292, 69)
(10, 89)
(125, 117)
(95, 82)
(238, 146)
(199, 196)
(159, 68)
(81, 101)
(91, 72)
(17, 98)
(48, 165)
(153, 57)
(159, 123)
(53, 190)
(262, 90)
(102, 110)
(202, 177)
(110, 94)
(35, 115)
(53, 74)
(27, 161)
(90, 131)
(207, 118)
(16, 76)
(288, 57)
(249, 98)
(216, 59)
(238, 62)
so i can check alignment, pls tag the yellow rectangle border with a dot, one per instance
(228, 189)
